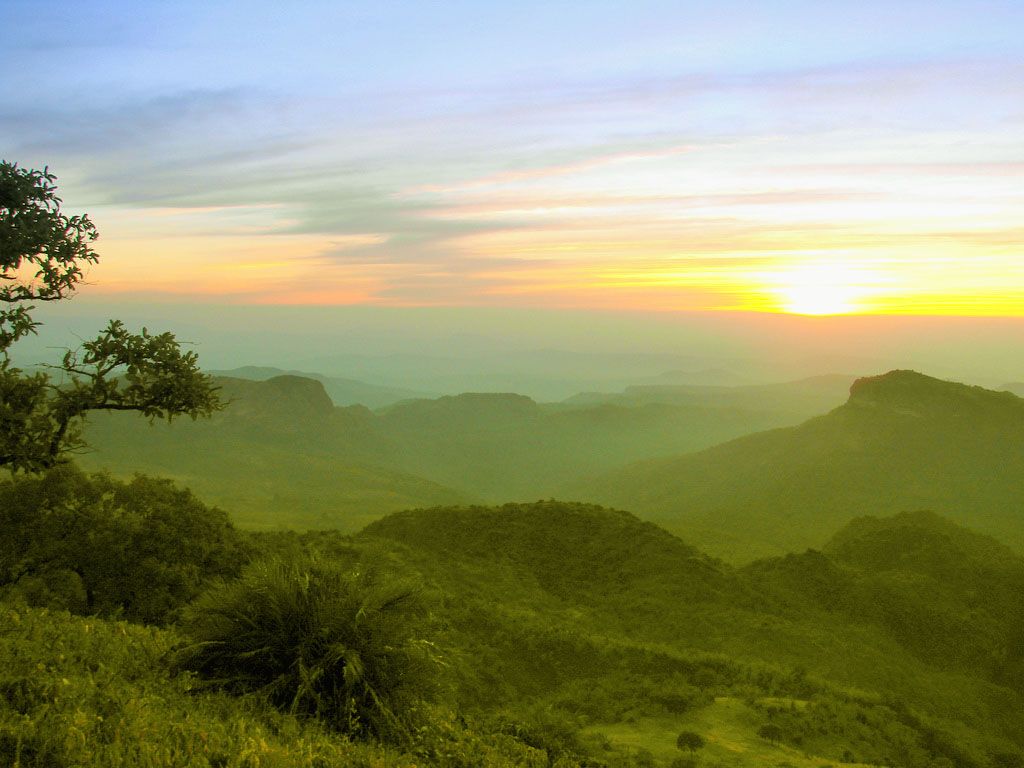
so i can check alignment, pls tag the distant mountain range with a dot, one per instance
(903, 441)
(744, 477)
(282, 453)
(812, 395)
(341, 391)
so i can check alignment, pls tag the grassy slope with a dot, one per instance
(84, 691)
(89, 692)
(729, 727)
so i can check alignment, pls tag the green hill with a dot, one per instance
(948, 595)
(902, 441)
(569, 634)
(545, 596)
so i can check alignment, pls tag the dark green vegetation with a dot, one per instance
(343, 646)
(544, 634)
(42, 256)
(281, 454)
(903, 441)
(95, 545)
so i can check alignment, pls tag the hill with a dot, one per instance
(902, 441)
(282, 453)
(543, 593)
(572, 551)
(797, 400)
(946, 594)
(568, 634)
(341, 391)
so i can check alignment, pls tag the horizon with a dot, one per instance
(549, 354)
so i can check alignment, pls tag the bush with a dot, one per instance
(771, 732)
(95, 545)
(317, 640)
(689, 740)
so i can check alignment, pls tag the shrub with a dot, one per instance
(96, 545)
(316, 640)
(689, 740)
(771, 732)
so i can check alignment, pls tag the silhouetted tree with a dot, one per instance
(42, 256)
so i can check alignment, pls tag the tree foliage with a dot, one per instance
(93, 544)
(689, 740)
(43, 253)
(771, 732)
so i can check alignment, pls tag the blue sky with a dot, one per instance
(672, 155)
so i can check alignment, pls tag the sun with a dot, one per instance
(821, 289)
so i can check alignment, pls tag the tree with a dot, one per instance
(95, 545)
(770, 732)
(689, 740)
(42, 256)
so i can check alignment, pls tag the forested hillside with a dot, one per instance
(903, 441)
(555, 634)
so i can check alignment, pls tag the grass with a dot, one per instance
(729, 727)
(85, 692)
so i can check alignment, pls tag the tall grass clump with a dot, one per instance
(345, 646)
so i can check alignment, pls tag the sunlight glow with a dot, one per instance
(827, 288)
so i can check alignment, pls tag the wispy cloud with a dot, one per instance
(456, 172)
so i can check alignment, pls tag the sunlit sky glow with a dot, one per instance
(803, 157)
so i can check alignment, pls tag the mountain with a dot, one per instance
(341, 391)
(798, 400)
(1016, 387)
(282, 453)
(279, 454)
(503, 446)
(902, 441)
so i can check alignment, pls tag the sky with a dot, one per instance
(808, 158)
